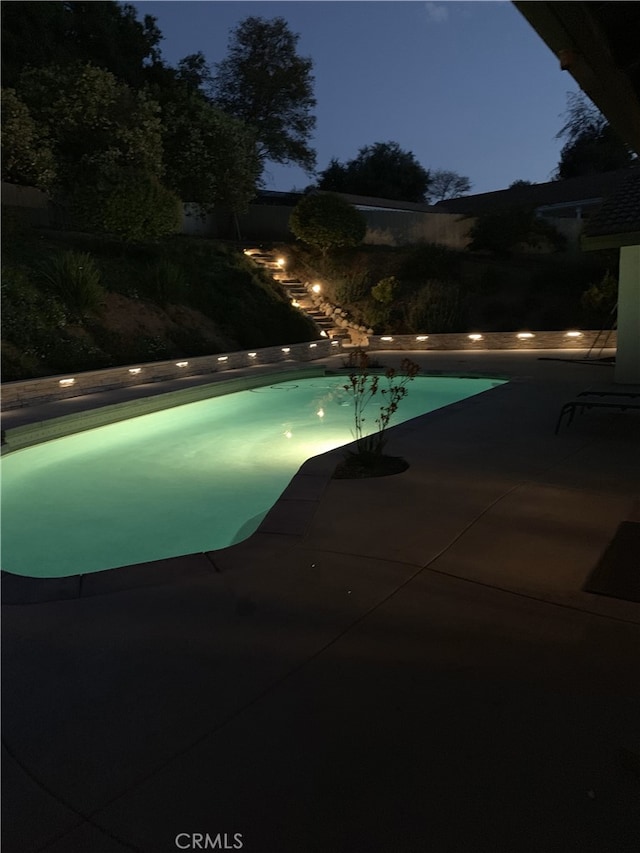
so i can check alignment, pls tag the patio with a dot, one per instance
(408, 663)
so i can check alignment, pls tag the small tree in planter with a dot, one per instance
(368, 459)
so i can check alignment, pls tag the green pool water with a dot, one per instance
(192, 478)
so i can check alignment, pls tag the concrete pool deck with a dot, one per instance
(400, 664)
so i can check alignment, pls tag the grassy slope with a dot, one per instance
(180, 297)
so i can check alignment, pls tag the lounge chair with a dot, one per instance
(616, 399)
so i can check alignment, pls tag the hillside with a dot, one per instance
(78, 302)
(430, 288)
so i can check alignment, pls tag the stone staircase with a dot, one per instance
(331, 320)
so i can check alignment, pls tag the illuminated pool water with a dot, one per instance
(192, 478)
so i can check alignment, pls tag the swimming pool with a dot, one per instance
(193, 478)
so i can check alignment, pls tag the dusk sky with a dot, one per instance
(466, 86)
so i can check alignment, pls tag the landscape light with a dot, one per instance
(573, 335)
(312, 346)
(295, 303)
(281, 262)
(524, 335)
(323, 334)
(335, 343)
(288, 434)
(316, 288)
(475, 337)
(135, 369)
(66, 382)
(182, 363)
(320, 413)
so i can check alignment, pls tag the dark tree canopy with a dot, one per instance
(105, 33)
(267, 85)
(381, 170)
(591, 143)
(210, 157)
(444, 184)
(97, 126)
(27, 157)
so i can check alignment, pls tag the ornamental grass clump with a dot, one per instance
(388, 389)
(74, 278)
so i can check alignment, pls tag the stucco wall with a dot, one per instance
(400, 228)
(384, 227)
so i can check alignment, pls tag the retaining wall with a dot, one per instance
(32, 392)
(45, 389)
(582, 340)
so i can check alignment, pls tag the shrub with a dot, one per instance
(438, 307)
(504, 231)
(499, 232)
(68, 352)
(385, 290)
(327, 221)
(137, 209)
(75, 279)
(166, 282)
(598, 303)
(28, 315)
(351, 287)
(430, 261)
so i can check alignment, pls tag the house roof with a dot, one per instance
(617, 222)
(388, 204)
(292, 198)
(597, 43)
(591, 188)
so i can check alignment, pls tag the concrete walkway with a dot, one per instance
(400, 664)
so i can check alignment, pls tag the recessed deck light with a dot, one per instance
(475, 337)
(386, 338)
(65, 383)
(182, 363)
(252, 354)
(525, 335)
(422, 337)
(573, 335)
(223, 358)
(135, 370)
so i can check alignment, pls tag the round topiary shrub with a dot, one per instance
(326, 221)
